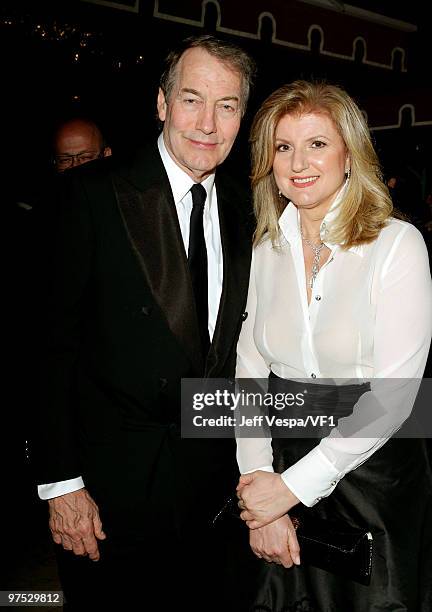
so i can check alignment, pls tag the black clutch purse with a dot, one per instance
(330, 545)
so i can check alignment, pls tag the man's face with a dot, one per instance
(77, 143)
(202, 116)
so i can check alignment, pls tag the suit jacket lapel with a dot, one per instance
(148, 211)
(236, 248)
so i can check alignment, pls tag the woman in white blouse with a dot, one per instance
(339, 289)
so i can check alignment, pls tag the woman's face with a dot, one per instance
(310, 160)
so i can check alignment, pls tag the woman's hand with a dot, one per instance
(276, 542)
(264, 497)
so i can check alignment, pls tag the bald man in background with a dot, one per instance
(78, 141)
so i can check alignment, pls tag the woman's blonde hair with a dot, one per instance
(366, 205)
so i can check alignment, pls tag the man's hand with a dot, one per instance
(276, 542)
(75, 524)
(264, 497)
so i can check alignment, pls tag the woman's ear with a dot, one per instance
(348, 164)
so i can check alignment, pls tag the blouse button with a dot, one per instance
(317, 297)
(313, 375)
(333, 483)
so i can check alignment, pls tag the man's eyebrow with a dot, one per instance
(191, 91)
(195, 92)
(225, 98)
(67, 154)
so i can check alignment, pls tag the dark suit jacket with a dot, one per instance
(122, 332)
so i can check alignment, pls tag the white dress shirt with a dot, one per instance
(369, 317)
(180, 184)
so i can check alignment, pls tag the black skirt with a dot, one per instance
(390, 495)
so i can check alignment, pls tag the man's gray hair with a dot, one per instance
(226, 52)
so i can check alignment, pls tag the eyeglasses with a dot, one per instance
(67, 161)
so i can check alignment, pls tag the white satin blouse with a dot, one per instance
(370, 317)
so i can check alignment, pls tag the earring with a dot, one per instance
(279, 193)
(348, 174)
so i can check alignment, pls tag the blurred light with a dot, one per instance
(76, 57)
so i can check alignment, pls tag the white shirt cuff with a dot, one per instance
(55, 489)
(266, 468)
(312, 477)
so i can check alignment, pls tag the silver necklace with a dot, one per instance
(316, 248)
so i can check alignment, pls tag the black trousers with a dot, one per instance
(214, 574)
(161, 552)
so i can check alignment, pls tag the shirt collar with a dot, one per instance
(290, 226)
(181, 182)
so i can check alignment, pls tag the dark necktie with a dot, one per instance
(197, 258)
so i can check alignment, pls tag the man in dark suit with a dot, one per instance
(149, 284)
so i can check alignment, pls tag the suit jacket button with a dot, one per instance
(163, 383)
(146, 310)
(244, 316)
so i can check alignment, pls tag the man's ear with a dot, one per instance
(107, 151)
(161, 105)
